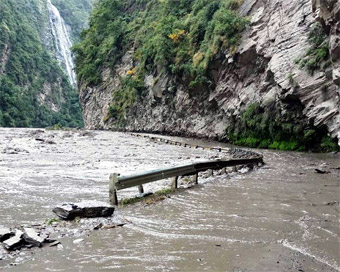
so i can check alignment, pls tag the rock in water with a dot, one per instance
(5, 234)
(55, 244)
(32, 237)
(320, 171)
(15, 242)
(69, 211)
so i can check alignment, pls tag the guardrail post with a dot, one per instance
(196, 178)
(112, 189)
(141, 189)
(210, 173)
(174, 184)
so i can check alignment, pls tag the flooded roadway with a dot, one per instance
(282, 217)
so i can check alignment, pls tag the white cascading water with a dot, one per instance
(62, 42)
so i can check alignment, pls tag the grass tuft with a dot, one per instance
(150, 199)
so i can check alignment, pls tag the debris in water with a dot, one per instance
(69, 211)
(16, 242)
(99, 226)
(78, 241)
(33, 238)
(5, 234)
(113, 226)
(60, 247)
(14, 151)
(332, 203)
(319, 171)
(55, 244)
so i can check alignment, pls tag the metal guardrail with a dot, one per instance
(172, 142)
(123, 182)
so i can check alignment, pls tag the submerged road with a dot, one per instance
(281, 217)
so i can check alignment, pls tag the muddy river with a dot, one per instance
(281, 217)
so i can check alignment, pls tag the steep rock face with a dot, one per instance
(262, 71)
(328, 14)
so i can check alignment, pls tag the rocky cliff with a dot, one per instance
(266, 77)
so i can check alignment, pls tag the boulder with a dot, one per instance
(5, 233)
(69, 211)
(16, 242)
(31, 237)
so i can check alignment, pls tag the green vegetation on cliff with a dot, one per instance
(34, 91)
(179, 36)
(317, 56)
(265, 128)
(182, 40)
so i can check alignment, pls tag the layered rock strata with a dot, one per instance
(261, 71)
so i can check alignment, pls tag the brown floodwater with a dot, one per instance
(281, 217)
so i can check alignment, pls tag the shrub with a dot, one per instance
(166, 34)
(317, 56)
(124, 98)
(328, 144)
(265, 128)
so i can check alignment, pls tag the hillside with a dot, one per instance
(34, 89)
(256, 73)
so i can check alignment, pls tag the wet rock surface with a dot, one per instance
(33, 238)
(25, 237)
(15, 242)
(238, 153)
(23, 240)
(5, 233)
(88, 209)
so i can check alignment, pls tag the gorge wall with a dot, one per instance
(37, 83)
(272, 81)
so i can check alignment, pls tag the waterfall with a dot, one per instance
(62, 42)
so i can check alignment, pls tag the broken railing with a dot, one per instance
(123, 182)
